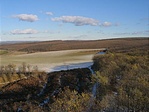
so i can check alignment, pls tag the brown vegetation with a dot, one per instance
(28, 90)
(113, 44)
(124, 79)
(122, 74)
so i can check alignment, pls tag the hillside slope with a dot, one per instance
(125, 43)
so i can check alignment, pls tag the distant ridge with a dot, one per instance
(57, 45)
(15, 42)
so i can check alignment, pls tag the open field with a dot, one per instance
(49, 54)
(64, 52)
(122, 68)
(2, 52)
(47, 60)
(111, 44)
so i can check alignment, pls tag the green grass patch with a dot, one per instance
(2, 52)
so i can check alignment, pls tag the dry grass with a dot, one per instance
(50, 59)
(4, 80)
(33, 53)
(2, 52)
(69, 45)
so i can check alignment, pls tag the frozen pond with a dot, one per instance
(71, 66)
(74, 66)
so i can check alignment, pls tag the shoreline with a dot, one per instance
(48, 60)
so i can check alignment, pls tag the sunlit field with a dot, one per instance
(46, 60)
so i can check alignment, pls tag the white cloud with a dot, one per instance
(49, 13)
(132, 33)
(106, 24)
(77, 20)
(122, 33)
(25, 31)
(51, 32)
(137, 32)
(26, 17)
(80, 36)
(116, 24)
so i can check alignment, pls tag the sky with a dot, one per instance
(41, 20)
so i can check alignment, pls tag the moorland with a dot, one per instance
(119, 79)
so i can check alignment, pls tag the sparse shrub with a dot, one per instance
(127, 77)
(71, 101)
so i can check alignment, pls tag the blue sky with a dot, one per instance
(27, 20)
